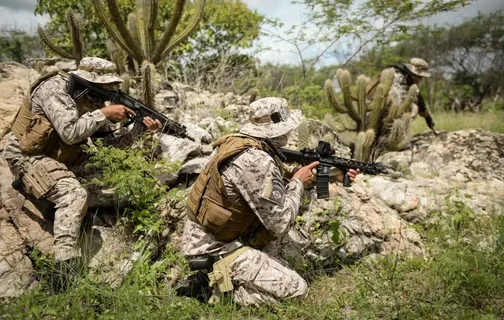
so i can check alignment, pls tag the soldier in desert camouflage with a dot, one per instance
(45, 145)
(406, 75)
(240, 203)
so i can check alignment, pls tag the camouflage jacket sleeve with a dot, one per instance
(259, 181)
(62, 112)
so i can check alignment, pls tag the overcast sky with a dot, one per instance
(19, 13)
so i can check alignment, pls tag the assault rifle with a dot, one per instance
(78, 87)
(324, 154)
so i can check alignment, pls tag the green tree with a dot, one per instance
(226, 25)
(17, 45)
(346, 27)
(466, 60)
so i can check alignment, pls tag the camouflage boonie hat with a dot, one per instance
(271, 118)
(418, 67)
(97, 70)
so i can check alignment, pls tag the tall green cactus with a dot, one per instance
(147, 86)
(137, 36)
(75, 25)
(380, 123)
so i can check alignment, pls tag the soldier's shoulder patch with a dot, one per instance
(273, 191)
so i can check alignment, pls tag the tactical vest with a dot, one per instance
(36, 134)
(208, 204)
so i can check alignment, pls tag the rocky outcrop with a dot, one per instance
(376, 215)
(466, 165)
(15, 80)
(16, 270)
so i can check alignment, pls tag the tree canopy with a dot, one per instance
(227, 25)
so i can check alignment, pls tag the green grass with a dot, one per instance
(451, 121)
(459, 278)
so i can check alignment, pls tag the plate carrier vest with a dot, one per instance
(208, 204)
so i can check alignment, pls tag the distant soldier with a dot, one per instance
(45, 144)
(406, 75)
(239, 204)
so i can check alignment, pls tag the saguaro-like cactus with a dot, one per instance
(380, 123)
(137, 37)
(75, 25)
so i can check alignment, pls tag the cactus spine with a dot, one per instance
(75, 25)
(379, 124)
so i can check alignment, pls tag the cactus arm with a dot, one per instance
(126, 84)
(115, 15)
(51, 46)
(185, 34)
(331, 96)
(146, 93)
(397, 110)
(362, 82)
(364, 145)
(133, 27)
(398, 132)
(118, 56)
(303, 135)
(112, 30)
(75, 34)
(169, 31)
(146, 19)
(387, 79)
(378, 105)
(412, 94)
(344, 81)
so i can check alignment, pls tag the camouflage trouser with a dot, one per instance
(70, 200)
(262, 279)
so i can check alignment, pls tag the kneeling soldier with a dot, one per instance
(239, 204)
(46, 139)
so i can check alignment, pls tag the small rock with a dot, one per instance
(177, 149)
(206, 149)
(66, 65)
(197, 133)
(194, 166)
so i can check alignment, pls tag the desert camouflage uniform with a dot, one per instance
(73, 123)
(259, 278)
(399, 91)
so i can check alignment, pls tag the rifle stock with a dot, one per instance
(78, 87)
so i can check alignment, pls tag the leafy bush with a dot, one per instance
(132, 173)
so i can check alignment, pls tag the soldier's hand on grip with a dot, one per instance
(116, 112)
(152, 125)
(304, 174)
